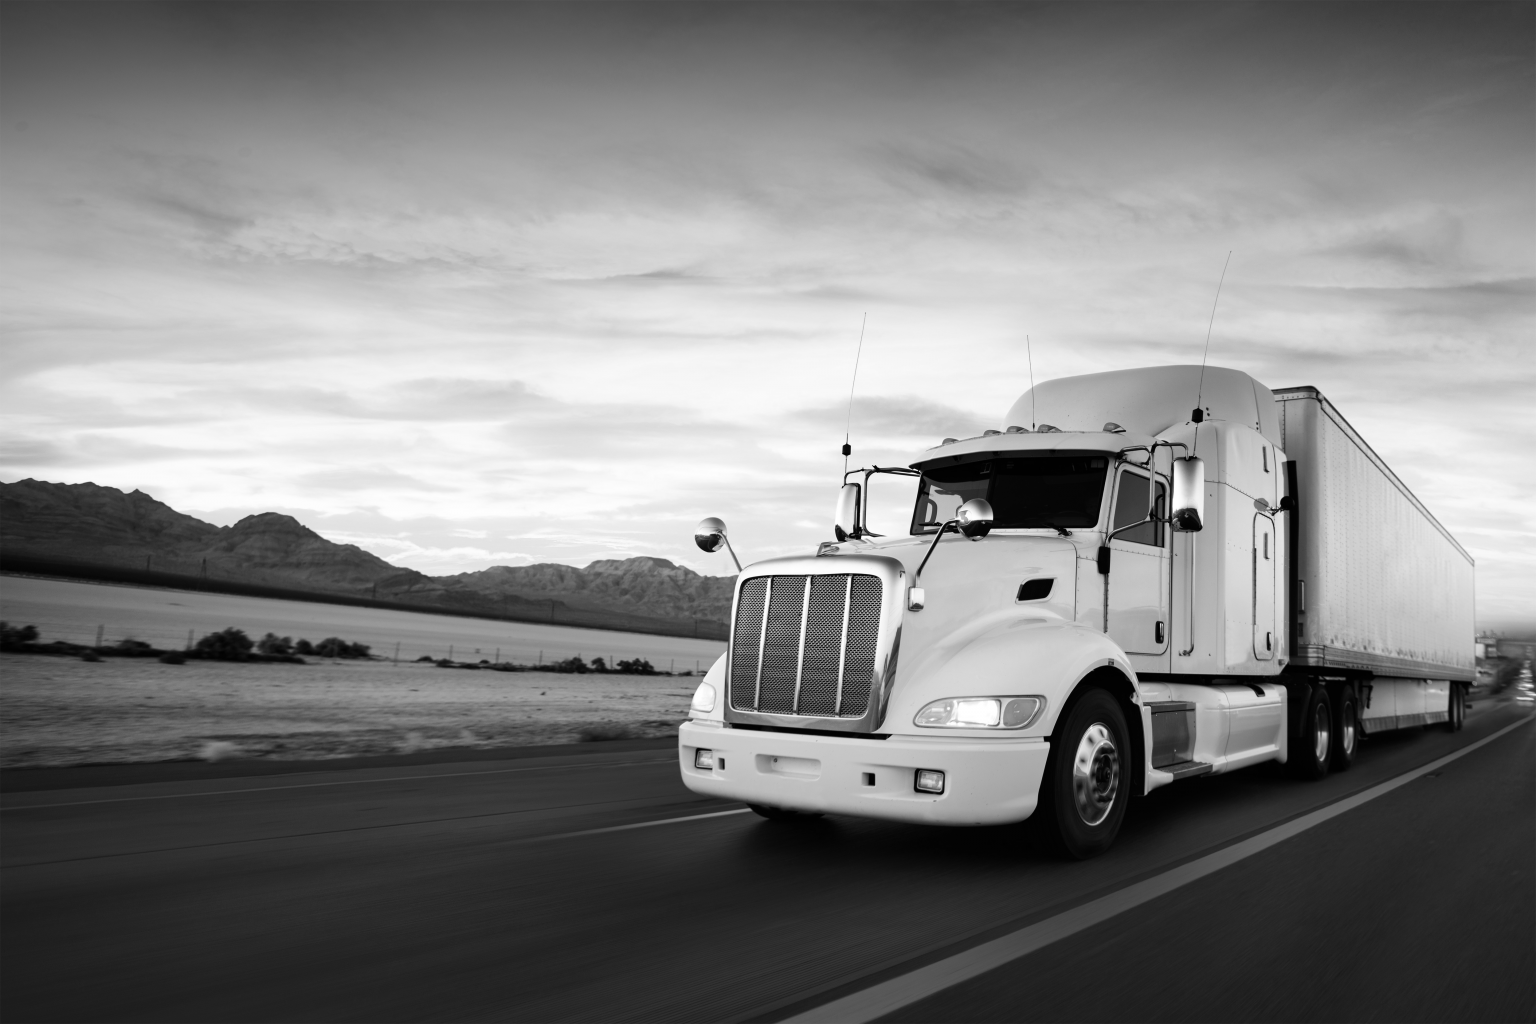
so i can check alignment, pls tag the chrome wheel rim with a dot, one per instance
(1095, 774)
(1320, 735)
(1347, 730)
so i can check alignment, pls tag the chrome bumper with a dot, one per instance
(987, 782)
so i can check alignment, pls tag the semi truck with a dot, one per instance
(1139, 578)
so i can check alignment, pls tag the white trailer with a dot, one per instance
(1383, 591)
(1141, 577)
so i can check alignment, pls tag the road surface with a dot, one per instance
(588, 884)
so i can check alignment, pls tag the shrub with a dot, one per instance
(636, 667)
(12, 637)
(90, 656)
(274, 644)
(174, 658)
(335, 647)
(599, 665)
(304, 647)
(226, 645)
(568, 665)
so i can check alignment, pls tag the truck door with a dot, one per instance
(1264, 557)
(1137, 611)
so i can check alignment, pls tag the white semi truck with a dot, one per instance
(1142, 577)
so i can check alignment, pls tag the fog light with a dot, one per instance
(704, 759)
(929, 781)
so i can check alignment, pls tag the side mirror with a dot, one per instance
(975, 518)
(1188, 495)
(709, 535)
(845, 522)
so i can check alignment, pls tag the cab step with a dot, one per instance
(1186, 769)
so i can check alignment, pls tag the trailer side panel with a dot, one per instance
(1383, 586)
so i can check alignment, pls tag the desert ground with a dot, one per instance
(64, 711)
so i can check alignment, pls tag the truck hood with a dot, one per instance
(972, 589)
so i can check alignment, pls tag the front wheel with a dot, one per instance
(1087, 783)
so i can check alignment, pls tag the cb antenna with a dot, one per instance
(1033, 401)
(848, 424)
(1199, 413)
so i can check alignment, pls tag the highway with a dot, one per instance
(587, 884)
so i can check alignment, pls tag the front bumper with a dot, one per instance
(987, 781)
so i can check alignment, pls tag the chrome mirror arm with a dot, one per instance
(953, 524)
(732, 552)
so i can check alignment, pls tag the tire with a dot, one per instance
(1087, 782)
(1457, 716)
(1346, 734)
(780, 814)
(1312, 749)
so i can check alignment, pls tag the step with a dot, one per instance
(1186, 769)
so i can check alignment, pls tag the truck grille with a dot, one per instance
(805, 645)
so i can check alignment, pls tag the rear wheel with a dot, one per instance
(1312, 750)
(1346, 716)
(1087, 783)
(1458, 709)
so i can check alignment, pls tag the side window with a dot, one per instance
(1131, 507)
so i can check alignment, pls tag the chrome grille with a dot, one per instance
(806, 645)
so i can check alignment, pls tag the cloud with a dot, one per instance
(434, 274)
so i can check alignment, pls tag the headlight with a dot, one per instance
(704, 698)
(981, 713)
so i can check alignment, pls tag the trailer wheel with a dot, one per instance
(1087, 783)
(781, 814)
(1457, 716)
(1313, 749)
(1346, 713)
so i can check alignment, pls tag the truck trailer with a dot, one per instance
(1139, 578)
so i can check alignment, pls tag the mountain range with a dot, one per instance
(87, 525)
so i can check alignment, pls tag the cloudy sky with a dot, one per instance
(474, 284)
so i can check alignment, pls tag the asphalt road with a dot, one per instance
(593, 886)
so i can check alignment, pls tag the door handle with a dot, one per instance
(1158, 632)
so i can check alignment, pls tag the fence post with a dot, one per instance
(99, 630)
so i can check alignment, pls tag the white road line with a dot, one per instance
(525, 841)
(889, 996)
(626, 828)
(338, 782)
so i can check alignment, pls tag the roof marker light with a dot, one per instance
(1113, 428)
(1018, 430)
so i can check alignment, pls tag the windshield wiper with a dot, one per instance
(1060, 530)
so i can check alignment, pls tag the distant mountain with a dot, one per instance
(93, 525)
(654, 584)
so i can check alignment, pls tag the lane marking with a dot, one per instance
(889, 996)
(626, 828)
(524, 841)
(339, 782)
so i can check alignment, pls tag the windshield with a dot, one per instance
(1029, 492)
